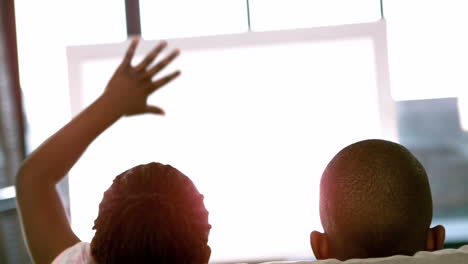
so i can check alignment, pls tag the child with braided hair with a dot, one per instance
(152, 213)
(151, 210)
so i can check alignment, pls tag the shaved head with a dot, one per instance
(375, 201)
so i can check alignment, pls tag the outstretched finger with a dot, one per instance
(154, 110)
(130, 51)
(162, 64)
(151, 56)
(161, 82)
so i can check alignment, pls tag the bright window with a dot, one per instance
(181, 18)
(287, 14)
(428, 64)
(267, 104)
(428, 56)
(44, 29)
(253, 120)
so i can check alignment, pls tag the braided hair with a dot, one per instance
(152, 213)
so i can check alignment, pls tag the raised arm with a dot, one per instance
(45, 225)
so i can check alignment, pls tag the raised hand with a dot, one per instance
(42, 214)
(130, 86)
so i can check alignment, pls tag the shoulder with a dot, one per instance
(79, 253)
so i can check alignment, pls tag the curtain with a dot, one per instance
(12, 148)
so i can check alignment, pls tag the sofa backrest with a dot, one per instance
(445, 256)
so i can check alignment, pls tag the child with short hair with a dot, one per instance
(375, 201)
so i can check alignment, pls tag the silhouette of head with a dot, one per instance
(151, 214)
(375, 201)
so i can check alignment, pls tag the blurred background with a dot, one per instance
(425, 56)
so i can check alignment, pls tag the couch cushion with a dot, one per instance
(445, 256)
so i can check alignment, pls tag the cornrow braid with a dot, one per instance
(151, 214)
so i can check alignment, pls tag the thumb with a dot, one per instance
(154, 110)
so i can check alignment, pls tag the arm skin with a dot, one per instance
(45, 225)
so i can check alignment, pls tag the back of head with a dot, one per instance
(375, 201)
(151, 214)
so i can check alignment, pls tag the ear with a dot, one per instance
(207, 254)
(435, 238)
(320, 245)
